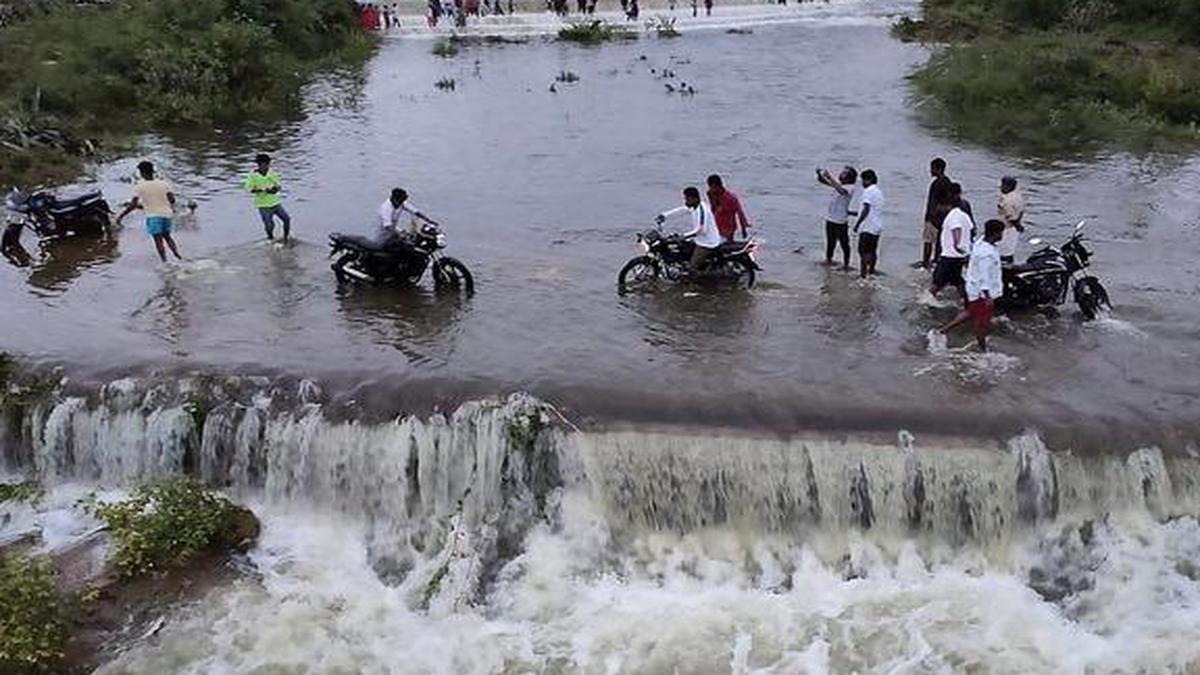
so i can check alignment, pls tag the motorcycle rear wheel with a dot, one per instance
(638, 275)
(450, 275)
(740, 273)
(338, 269)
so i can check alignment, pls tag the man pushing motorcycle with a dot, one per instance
(704, 232)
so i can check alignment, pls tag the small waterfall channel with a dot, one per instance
(512, 530)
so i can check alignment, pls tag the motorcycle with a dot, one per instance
(399, 258)
(668, 256)
(1050, 273)
(53, 218)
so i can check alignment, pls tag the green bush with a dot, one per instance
(32, 625)
(592, 32)
(168, 523)
(21, 492)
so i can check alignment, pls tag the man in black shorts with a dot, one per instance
(870, 223)
(955, 245)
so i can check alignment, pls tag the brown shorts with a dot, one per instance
(929, 233)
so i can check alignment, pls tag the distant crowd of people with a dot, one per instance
(384, 17)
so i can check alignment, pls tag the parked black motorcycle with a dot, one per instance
(668, 256)
(399, 258)
(53, 218)
(1050, 273)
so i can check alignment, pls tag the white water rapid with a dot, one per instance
(496, 540)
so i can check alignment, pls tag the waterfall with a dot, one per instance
(513, 532)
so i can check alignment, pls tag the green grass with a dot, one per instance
(1111, 78)
(159, 64)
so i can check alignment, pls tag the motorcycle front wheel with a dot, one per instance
(450, 275)
(1091, 296)
(638, 275)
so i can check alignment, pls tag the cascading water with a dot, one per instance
(495, 540)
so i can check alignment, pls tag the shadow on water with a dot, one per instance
(415, 321)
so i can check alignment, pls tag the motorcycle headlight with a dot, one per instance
(441, 240)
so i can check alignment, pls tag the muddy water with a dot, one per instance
(542, 193)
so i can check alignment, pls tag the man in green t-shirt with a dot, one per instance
(265, 185)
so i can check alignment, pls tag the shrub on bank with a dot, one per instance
(1062, 75)
(132, 64)
(592, 32)
(32, 624)
(170, 522)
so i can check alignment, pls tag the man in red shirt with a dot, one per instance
(727, 209)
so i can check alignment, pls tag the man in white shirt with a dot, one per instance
(394, 208)
(984, 285)
(955, 245)
(837, 223)
(1011, 209)
(870, 223)
(704, 226)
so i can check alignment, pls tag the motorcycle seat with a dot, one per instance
(730, 247)
(1033, 266)
(383, 244)
(73, 203)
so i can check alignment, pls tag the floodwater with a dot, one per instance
(542, 193)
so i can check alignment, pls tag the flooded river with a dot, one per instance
(784, 480)
(542, 193)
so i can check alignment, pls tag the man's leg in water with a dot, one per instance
(699, 255)
(171, 245)
(158, 245)
(844, 241)
(268, 221)
(286, 220)
(830, 241)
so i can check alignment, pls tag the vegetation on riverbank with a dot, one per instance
(32, 616)
(593, 32)
(1061, 76)
(72, 74)
(168, 523)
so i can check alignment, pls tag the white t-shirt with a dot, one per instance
(389, 216)
(874, 222)
(983, 272)
(957, 219)
(839, 206)
(704, 225)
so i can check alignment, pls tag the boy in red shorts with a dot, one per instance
(985, 285)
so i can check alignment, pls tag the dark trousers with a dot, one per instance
(268, 216)
(837, 234)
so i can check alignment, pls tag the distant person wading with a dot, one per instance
(157, 198)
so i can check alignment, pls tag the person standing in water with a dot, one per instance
(157, 198)
(1011, 208)
(935, 211)
(870, 223)
(266, 185)
(708, 7)
(955, 245)
(727, 209)
(837, 222)
(984, 285)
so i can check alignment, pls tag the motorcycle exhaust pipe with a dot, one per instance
(361, 276)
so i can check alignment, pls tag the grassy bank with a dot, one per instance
(1062, 76)
(72, 75)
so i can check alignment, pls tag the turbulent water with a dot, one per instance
(781, 481)
(500, 539)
